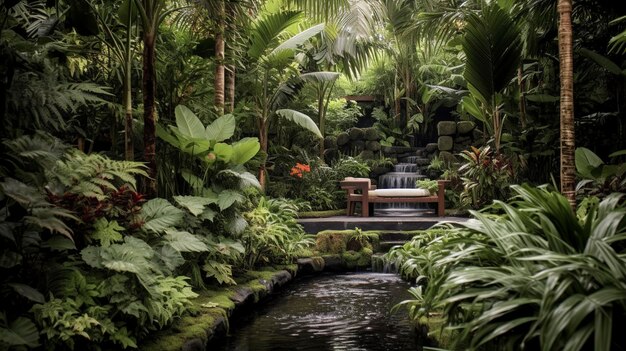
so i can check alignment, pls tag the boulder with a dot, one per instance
(421, 161)
(465, 127)
(477, 134)
(372, 145)
(343, 138)
(356, 133)
(445, 143)
(330, 142)
(372, 134)
(462, 140)
(447, 156)
(446, 128)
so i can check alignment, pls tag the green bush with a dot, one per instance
(540, 275)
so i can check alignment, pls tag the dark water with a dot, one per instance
(338, 312)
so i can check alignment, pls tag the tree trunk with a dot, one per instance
(229, 106)
(566, 59)
(219, 60)
(149, 113)
(322, 120)
(263, 130)
(129, 150)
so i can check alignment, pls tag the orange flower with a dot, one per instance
(299, 169)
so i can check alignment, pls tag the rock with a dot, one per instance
(445, 143)
(367, 155)
(378, 170)
(358, 145)
(372, 146)
(422, 162)
(446, 128)
(242, 296)
(371, 134)
(356, 133)
(280, 278)
(431, 147)
(447, 156)
(310, 265)
(397, 150)
(343, 138)
(330, 142)
(465, 127)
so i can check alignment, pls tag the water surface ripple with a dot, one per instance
(333, 312)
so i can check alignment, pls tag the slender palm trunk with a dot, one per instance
(129, 150)
(263, 131)
(522, 96)
(230, 89)
(568, 168)
(219, 60)
(149, 113)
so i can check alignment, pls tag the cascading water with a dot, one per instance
(403, 176)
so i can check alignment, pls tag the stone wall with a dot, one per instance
(454, 137)
(363, 142)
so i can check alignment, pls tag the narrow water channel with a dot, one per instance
(332, 312)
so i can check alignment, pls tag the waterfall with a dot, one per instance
(403, 177)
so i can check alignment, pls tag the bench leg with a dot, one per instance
(365, 209)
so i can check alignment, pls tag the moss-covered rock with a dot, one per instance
(447, 156)
(343, 138)
(465, 127)
(356, 133)
(372, 134)
(330, 142)
(446, 128)
(445, 143)
(373, 145)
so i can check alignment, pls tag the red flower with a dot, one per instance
(299, 169)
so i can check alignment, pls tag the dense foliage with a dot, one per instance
(540, 276)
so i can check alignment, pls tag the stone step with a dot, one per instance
(385, 246)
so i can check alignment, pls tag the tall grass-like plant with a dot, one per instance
(539, 277)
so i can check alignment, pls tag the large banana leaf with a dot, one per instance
(493, 47)
(300, 119)
(298, 39)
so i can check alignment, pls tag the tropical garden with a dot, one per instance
(155, 150)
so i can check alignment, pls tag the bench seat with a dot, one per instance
(360, 190)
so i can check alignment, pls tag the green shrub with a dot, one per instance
(540, 275)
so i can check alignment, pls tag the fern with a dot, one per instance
(90, 175)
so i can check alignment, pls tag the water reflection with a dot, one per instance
(338, 312)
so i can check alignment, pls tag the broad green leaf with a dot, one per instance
(227, 198)
(159, 215)
(195, 146)
(586, 162)
(266, 31)
(223, 152)
(9, 259)
(221, 129)
(188, 124)
(244, 150)
(21, 332)
(171, 257)
(603, 61)
(618, 153)
(195, 204)
(236, 225)
(166, 136)
(300, 119)
(208, 214)
(298, 39)
(59, 243)
(107, 232)
(126, 10)
(194, 181)
(185, 241)
(28, 292)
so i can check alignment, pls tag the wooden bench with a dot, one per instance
(360, 190)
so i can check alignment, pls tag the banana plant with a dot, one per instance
(274, 77)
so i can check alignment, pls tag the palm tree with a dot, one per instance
(566, 59)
